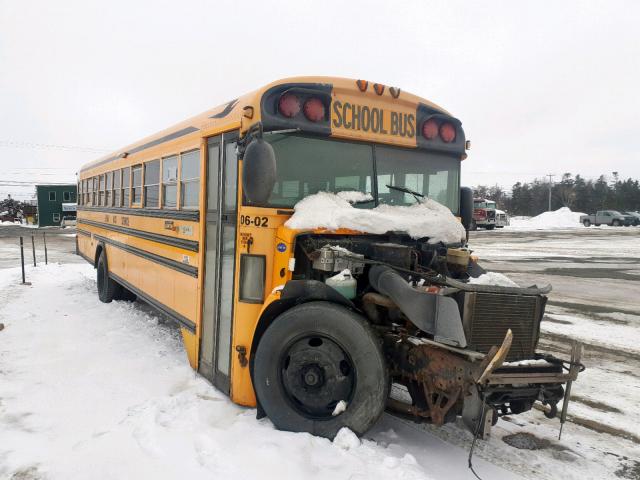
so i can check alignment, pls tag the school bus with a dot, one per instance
(192, 221)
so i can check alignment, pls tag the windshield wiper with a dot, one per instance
(407, 190)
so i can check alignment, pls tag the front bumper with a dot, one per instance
(445, 382)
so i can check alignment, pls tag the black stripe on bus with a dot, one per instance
(181, 319)
(167, 262)
(227, 109)
(192, 215)
(152, 143)
(83, 232)
(190, 245)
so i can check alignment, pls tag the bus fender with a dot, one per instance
(99, 249)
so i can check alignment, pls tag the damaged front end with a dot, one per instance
(454, 348)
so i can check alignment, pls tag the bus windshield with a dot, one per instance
(307, 165)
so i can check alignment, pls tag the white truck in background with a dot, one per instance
(607, 217)
(502, 219)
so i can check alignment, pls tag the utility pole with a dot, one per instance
(550, 175)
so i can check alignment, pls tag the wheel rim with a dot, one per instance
(316, 374)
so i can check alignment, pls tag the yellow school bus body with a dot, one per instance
(161, 254)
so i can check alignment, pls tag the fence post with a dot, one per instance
(22, 260)
(44, 239)
(33, 247)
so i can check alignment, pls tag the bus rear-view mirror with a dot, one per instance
(258, 171)
(466, 207)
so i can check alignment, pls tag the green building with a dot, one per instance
(56, 202)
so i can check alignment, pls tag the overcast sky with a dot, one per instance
(541, 87)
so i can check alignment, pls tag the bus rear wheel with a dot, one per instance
(108, 289)
(319, 367)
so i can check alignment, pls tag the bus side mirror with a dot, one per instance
(258, 171)
(466, 207)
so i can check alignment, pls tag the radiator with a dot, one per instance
(488, 316)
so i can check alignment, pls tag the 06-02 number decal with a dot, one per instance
(254, 221)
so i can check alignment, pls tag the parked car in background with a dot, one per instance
(635, 215)
(607, 217)
(502, 219)
(484, 214)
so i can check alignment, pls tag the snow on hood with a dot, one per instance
(333, 211)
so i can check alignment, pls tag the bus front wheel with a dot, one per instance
(319, 367)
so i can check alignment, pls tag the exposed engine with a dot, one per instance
(446, 340)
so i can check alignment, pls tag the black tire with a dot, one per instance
(311, 354)
(108, 289)
(586, 223)
(615, 223)
(490, 227)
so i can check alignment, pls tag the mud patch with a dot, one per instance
(629, 469)
(528, 441)
(29, 473)
(549, 319)
(591, 273)
(588, 308)
(603, 407)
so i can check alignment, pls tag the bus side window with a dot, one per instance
(152, 184)
(136, 175)
(108, 193)
(170, 181)
(116, 188)
(101, 191)
(190, 179)
(126, 186)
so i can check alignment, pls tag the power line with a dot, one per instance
(49, 146)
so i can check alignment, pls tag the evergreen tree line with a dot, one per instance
(575, 192)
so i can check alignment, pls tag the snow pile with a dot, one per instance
(333, 211)
(493, 278)
(561, 218)
(92, 390)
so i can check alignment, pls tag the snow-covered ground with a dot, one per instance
(89, 390)
(595, 275)
(96, 391)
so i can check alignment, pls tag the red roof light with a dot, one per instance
(289, 105)
(314, 109)
(430, 129)
(447, 132)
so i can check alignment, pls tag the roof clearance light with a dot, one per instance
(430, 129)
(289, 105)
(314, 110)
(447, 132)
